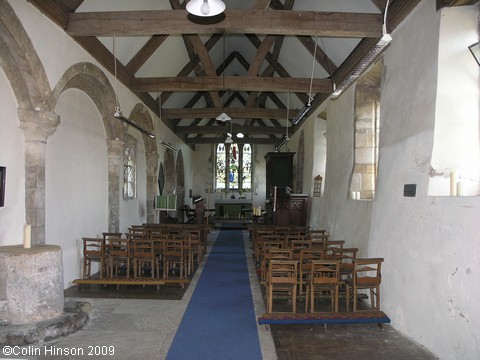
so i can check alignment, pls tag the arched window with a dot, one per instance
(233, 170)
(130, 169)
(367, 125)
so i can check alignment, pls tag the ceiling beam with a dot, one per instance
(216, 140)
(246, 130)
(237, 83)
(252, 21)
(236, 113)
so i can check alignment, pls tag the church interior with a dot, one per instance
(355, 119)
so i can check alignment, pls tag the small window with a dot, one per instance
(129, 170)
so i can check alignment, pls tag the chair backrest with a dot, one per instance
(278, 254)
(347, 257)
(330, 246)
(143, 249)
(109, 235)
(310, 254)
(119, 247)
(325, 272)
(173, 247)
(367, 272)
(283, 272)
(136, 232)
(93, 247)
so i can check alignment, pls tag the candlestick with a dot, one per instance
(27, 236)
(453, 182)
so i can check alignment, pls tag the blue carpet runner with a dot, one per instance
(220, 322)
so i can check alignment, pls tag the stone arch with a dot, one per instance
(91, 80)
(141, 116)
(21, 64)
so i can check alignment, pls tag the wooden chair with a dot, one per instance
(324, 277)
(197, 245)
(366, 276)
(297, 245)
(272, 254)
(119, 257)
(282, 282)
(94, 251)
(173, 259)
(145, 263)
(347, 257)
(330, 246)
(304, 265)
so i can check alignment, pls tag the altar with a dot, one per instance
(233, 208)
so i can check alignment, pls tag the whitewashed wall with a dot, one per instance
(12, 215)
(430, 244)
(76, 185)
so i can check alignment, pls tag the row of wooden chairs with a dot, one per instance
(323, 278)
(146, 250)
(310, 265)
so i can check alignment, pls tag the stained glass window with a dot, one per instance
(233, 172)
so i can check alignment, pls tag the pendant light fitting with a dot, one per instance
(223, 116)
(205, 8)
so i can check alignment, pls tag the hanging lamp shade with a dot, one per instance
(223, 117)
(205, 7)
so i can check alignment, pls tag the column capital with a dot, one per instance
(38, 125)
(115, 147)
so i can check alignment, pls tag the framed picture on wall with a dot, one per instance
(3, 172)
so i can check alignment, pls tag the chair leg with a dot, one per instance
(378, 298)
(354, 298)
(336, 298)
(269, 299)
(294, 299)
(347, 296)
(307, 291)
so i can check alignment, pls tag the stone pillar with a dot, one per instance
(31, 283)
(37, 126)
(152, 185)
(115, 169)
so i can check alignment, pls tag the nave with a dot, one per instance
(146, 328)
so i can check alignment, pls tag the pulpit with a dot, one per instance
(286, 209)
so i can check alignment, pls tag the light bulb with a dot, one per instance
(205, 8)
